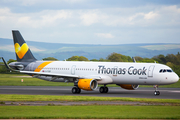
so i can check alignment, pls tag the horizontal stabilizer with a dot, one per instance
(7, 66)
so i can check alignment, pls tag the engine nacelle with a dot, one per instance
(129, 87)
(87, 84)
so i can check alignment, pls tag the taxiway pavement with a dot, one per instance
(165, 93)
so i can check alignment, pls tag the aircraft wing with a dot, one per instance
(58, 75)
(50, 74)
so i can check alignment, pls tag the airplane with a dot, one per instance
(88, 75)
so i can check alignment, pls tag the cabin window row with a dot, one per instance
(53, 68)
(165, 70)
(87, 69)
(84, 69)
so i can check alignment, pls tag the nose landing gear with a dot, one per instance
(156, 92)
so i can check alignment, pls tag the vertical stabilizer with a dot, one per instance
(22, 51)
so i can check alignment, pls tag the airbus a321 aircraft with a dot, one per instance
(88, 75)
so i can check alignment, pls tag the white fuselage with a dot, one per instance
(109, 72)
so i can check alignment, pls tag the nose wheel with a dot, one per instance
(156, 92)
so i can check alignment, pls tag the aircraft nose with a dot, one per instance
(176, 78)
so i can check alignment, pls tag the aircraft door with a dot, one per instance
(73, 69)
(150, 71)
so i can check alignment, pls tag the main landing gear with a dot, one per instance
(103, 89)
(76, 90)
(156, 92)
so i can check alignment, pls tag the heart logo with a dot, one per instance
(21, 50)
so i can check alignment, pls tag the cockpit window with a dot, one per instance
(169, 70)
(165, 70)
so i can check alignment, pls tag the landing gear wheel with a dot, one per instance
(106, 89)
(103, 89)
(156, 93)
(76, 90)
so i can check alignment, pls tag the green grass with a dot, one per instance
(87, 112)
(13, 97)
(15, 80)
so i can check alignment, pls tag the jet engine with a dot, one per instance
(129, 87)
(87, 84)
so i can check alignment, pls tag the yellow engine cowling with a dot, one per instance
(87, 84)
(129, 87)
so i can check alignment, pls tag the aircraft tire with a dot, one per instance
(106, 89)
(101, 89)
(74, 90)
(156, 93)
(78, 90)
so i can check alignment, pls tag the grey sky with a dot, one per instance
(92, 21)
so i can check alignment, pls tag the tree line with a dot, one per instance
(170, 60)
